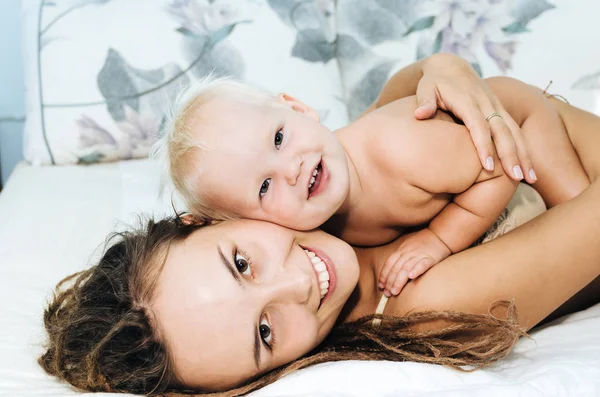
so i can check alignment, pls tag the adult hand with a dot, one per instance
(451, 84)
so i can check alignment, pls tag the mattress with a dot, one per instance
(54, 220)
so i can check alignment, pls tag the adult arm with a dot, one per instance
(448, 82)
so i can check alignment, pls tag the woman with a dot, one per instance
(167, 306)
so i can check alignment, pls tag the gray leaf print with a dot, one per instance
(515, 28)
(589, 82)
(123, 85)
(313, 20)
(368, 22)
(311, 45)
(222, 33)
(203, 17)
(421, 24)
(116, 85)
(348, 49)
(94, 157)
(408, 11)
(186, 32)
(428, 47)
(221, 59)
(477, 68)
(525, 10)
(366, 91)
(299, 14)
(303, 14)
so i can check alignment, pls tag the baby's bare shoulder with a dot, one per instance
(436, 155)
(389, 134)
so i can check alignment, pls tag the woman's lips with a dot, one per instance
(330, 269)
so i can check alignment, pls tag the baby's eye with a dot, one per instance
(242, 264)
(264, 187)
(278, 139)
(265, 331)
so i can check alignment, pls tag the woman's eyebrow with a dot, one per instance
(257, 349)
(229, 266)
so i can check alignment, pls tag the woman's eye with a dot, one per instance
(265, 187)
(265, 331)
(242, 264)
(278, 139)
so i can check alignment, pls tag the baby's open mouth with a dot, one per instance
(315, 179)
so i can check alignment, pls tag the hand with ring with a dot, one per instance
(450, 83)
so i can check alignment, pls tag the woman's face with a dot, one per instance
(240, 298)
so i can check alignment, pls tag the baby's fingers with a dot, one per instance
(399, 276)
(387, 268)
(421, 266)
(399, 283)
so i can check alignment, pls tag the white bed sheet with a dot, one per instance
(52, 220)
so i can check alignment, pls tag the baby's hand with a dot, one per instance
(417, 254)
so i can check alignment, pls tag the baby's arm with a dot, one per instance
(459, 225)
(470, 214)
(480, 197)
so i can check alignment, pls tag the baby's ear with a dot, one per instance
(298, 106)
(192, 220)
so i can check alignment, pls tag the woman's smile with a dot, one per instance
(324, 270)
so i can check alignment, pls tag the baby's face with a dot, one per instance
(277, 164)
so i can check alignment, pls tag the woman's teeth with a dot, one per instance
(322, 272)
(313, 178)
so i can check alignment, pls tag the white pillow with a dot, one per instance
(100, 75)
(533, 40)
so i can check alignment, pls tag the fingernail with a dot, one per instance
(387, 293)
(518, 172)
(489, 163)
(411, 274)
(394, 291)
(380, 285)
(532, 174)
(424, 104)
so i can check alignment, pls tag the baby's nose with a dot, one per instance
(292, 171)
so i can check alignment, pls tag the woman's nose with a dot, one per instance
(291, 286)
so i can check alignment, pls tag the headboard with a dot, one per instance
(12, 88)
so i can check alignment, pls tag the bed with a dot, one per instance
(59, 205)
(55, 219)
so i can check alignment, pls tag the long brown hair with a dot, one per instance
(101, 335)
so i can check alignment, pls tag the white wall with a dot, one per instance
(12, 89)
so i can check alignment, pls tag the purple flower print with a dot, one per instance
(501, 53)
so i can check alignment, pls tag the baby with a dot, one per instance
(236, 152)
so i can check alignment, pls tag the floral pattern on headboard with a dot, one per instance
(377, 34)
(134, 96)
(96, 95)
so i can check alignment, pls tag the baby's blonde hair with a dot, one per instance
(178, 151)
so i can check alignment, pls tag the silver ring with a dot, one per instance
(491, 116)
